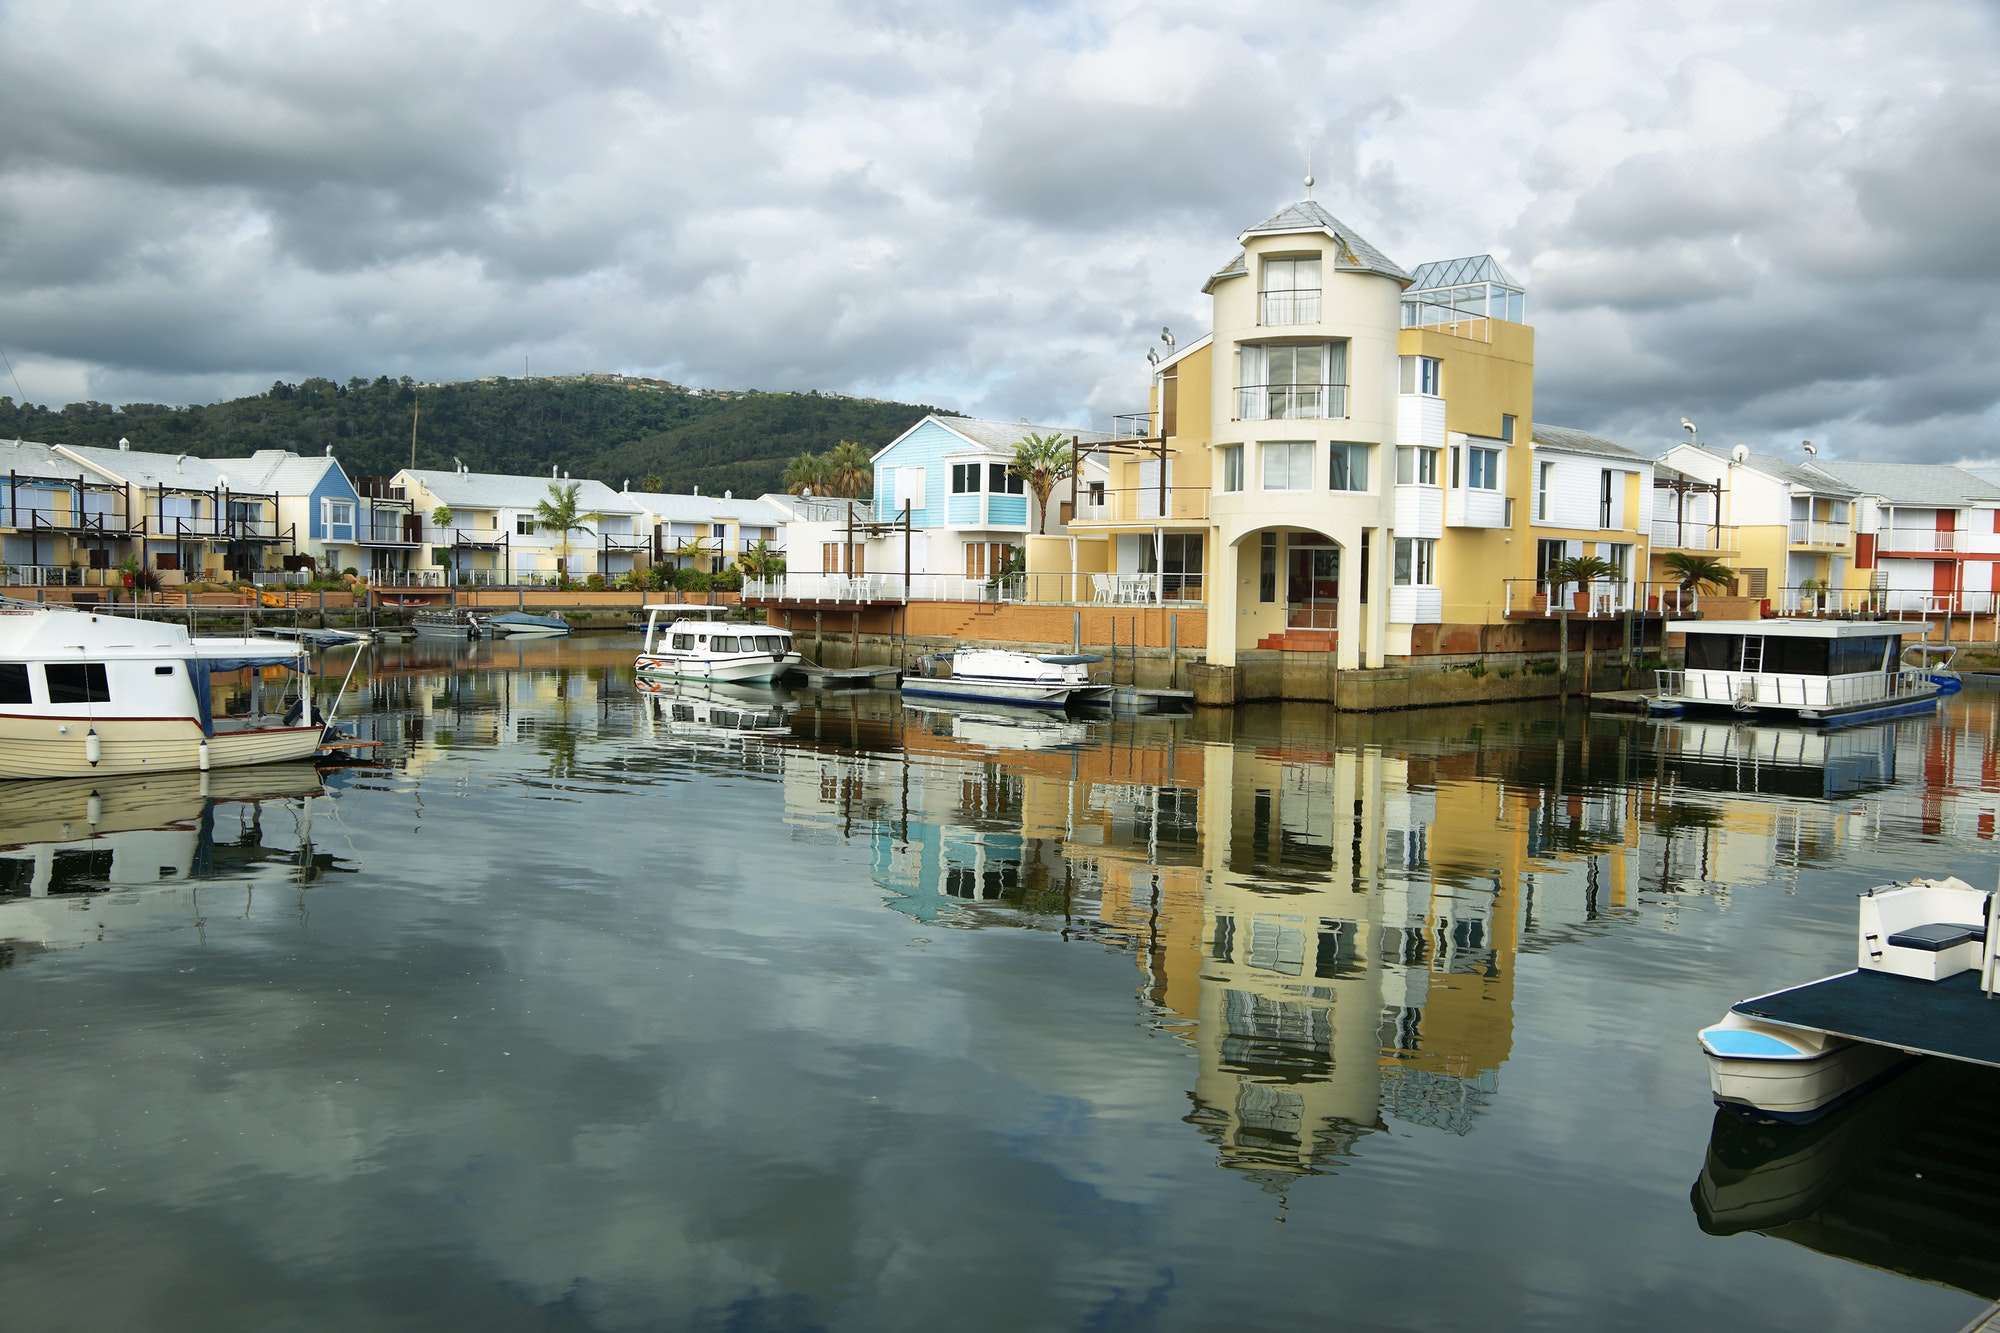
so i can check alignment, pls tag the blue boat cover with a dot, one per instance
(1746, 1042)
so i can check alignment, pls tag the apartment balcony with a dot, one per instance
(61, 521)
(1812, 532)
(380, 488)
(982, 510)
(477, 538)
(1922, 541)
(407, 578)
(1598, 600)
(390, 531)
(1141, 504)
(1671, 534)
(1132, 425)
(209, 528)
(1294, 307)
(1291, 402)
(1475, 507)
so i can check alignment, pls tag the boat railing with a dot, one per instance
(1783, 690)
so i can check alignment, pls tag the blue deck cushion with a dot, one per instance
(1748, 1043)
(1937, 936)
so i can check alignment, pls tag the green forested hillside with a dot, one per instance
(614, 430)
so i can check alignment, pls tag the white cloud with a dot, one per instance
(1772, 217)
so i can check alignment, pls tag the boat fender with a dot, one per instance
(93, 809)
(93, 747)
(201, 757)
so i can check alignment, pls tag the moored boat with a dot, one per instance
(446, 625)
(84, 694)
(526, 625)
(1823, 672)
(1002, 676)
(694, 646)
(1798, 1053)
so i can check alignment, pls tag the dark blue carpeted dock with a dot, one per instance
(1951, 1018)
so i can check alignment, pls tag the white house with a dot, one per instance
(1925, 536)
(710, 530)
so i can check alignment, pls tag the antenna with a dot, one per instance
(415, 408)
(1309, 174)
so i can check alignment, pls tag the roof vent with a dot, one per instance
(697, 490)
(729, 495)
(124, 445)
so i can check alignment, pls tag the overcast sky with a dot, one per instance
(1777, 219)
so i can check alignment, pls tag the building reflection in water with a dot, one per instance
(1335, 927)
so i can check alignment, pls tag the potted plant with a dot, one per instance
(1581, 570)
(128, 568)
(1696, 572)
(1813, 592)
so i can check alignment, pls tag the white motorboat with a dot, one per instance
(1824, 672)
(994, 730)
(84, 694)
(526, 625)
(696, 708)
(1796, 1054)
(1002, 676)
(695, 647)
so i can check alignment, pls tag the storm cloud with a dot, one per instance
(1774, 219)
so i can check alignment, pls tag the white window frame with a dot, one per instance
(1415, 562)
(1364, 451)
(1416, 465)
(327, 512)
(524, 525)
(1423, 375)
(1473, 470)
(1542, 471)
(1299, 457)
(1232, 468)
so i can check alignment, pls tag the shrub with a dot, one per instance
(729, 580)
(1476, 670)
(1544, 668)
(1506, 673)
(594, 583)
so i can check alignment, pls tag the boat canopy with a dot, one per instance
(226, 655)
(1070, 659)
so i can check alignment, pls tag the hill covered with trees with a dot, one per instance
(608, 427)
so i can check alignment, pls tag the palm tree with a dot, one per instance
(806, 472)
(849, 471)
(761, 558)
(652, 483)
(1699, 571)
(1042, 461)
(694, 548)
(558, 513)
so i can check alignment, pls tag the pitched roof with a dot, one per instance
(1780, 469)
(1353, 254)
(999, 436)
(1569, 441)
(142, 467)
(1921, 484)
(495, 490)
(277, 471)
(674, 508)
(1235, 268)
(38, 460)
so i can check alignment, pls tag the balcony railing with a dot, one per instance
(391, 533)
(1610, 597)
(1689, 535)
(1290, 402)
(1132, 425)
(1293, 307)
(1927, 540)
(1135, 504)
(1815, 533)
(60, 576)
(407, 578)
(206, 527)
(379, 488)
(1061, 589)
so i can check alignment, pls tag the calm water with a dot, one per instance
(590, 1008)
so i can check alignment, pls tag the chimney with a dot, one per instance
(697, 490)
(552, 472)
(729, 495)
(124, 445)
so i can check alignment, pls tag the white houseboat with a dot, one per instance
(693, 647)
(84, 694)
(1826, 672)
(1000, 676)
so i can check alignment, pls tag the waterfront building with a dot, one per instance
(60, 523)
(1787, 529)
(314, 499)
(1925, 538)
(189, 519)
(490, 536)
(709, 532)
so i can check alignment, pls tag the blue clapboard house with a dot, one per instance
(952, 474)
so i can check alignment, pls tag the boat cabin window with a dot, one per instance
(771, 643)
(1775, 654)
(14, 683)
(684, 642)
(77, 683)
(1853, 656)
(163, 671)
(723, 643)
